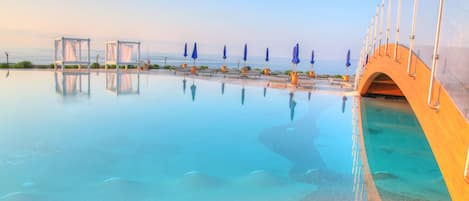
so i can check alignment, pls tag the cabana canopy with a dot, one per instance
(122, 53)
(71, 51)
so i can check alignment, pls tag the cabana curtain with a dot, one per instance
(71, 50)
(125, 53)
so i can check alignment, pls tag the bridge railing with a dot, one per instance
(435, 31)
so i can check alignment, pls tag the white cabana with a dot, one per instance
(122, 53)
(69, 51)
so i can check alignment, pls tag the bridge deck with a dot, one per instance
(446, 129)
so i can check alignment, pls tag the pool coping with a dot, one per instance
(371, 190)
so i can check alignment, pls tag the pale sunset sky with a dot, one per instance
(330, 27)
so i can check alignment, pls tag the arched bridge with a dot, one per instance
(445, 126)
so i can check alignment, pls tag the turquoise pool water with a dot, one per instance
(399, 156)
(143, 137)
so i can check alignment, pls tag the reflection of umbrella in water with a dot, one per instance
(344, 99)
(265, 91)
(309, 96)
(184, 86)
(193, 89)
(222, 88)
(291, 98)
(292, 105)
(243, 91)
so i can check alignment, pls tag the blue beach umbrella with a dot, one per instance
(298, 52)
(267, 55)
(224, 53)
(312, 58)
(194, 53)
(296, 58)
(348, 64)
(185, 50)
(245, 55)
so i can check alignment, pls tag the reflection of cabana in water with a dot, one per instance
(69, 51)
(122, 53)
(122, 83)
(69, 84)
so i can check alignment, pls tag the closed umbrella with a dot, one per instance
(194, 53)
(347, 65)
(311, 72)
(224, 55)
(245, 55)
(185, 51)
(296, 56)
(295, 61)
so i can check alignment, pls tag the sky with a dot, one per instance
(330, 27)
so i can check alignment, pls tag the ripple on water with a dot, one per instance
(262, 178)
(18, 196)
(119, 189)
(197, 180)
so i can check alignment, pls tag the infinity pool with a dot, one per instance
(157, 137)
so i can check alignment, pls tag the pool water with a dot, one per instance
(399, 156)
(157, 137)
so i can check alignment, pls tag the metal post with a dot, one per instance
(89, 87)
(435, 59)
(398, 27)
(388, 27)
(412, 39)
(79, 55)
(381, 25)
(372, 31)
(97, 61)
(138, 57)
(55, 55)
(117, 56)
(367, 46)
(89, 54)
(105, 56)
(375, 31)
(63, 53)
